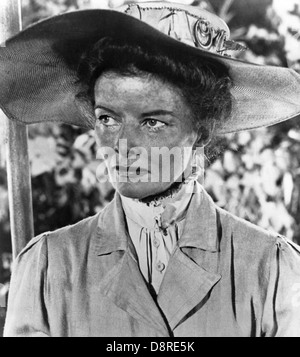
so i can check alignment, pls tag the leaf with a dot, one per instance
(42, 155)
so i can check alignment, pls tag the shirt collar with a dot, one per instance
(112, 230)
(200, 230)
(202, 225)
(163, 213)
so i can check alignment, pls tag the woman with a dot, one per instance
(161, 259)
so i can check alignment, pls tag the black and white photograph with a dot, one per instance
(150, 171)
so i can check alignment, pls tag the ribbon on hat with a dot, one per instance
(186, 27)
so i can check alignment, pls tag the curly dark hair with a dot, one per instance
(204, 82)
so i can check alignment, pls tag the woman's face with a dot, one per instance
(144, 131)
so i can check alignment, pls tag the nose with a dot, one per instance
(129, 139)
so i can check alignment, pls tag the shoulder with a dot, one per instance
(251, 242)
(246, 233)
(255, 246)
(260, 259)
(77, 235)
(237, 230)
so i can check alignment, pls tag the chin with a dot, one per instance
(140, 190)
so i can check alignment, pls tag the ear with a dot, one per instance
(205, 133)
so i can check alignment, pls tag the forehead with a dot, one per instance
(141, 90)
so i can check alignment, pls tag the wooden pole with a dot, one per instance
(18, 170)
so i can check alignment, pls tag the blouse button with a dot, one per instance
(156, 243)
(160, 266)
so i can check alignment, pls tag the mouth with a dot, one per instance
(131, 171)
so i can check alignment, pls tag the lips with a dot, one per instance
(130, 171)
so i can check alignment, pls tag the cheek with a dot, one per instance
(104, 139)
(98, 135)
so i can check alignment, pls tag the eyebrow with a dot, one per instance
(96, 106)
(158, 112)
(154, 112)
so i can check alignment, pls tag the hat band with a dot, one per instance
(186, 27)
(207, 37)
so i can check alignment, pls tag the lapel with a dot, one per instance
(192, 269)
(123, 284)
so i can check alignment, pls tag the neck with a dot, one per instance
(173, 189)
(169, 193)
(161, 210)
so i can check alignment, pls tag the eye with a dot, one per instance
(107, 120)
(154, 124)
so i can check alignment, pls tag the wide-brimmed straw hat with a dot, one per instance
(38, 65)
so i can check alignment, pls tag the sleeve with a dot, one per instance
(26, 313)
(281, 316)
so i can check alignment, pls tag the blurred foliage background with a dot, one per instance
(255, 174)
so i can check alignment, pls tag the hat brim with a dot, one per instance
(38, 72)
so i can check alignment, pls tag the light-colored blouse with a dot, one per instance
(155, 229)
